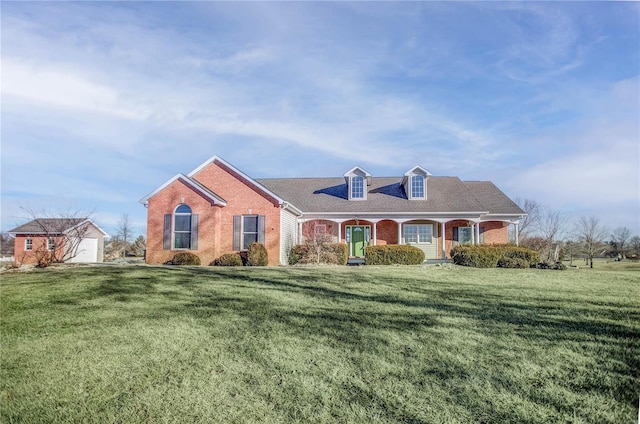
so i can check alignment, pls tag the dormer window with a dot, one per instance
(415, 183)
(357, 181)
(417, 187)
(357, 187)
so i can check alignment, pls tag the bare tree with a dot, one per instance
(530, 221)
(125, 229)
(619, 237)
(591, 236)
(634, 246)
(550, 226)
(59, 234)
(6, 245)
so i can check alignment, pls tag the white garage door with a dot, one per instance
(87, 251)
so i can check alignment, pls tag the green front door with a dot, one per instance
(358, 240)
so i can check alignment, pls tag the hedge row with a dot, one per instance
(492, 256)
(392, 254)
(256, 255)
(330, 253)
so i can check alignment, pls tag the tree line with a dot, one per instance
(549, 231)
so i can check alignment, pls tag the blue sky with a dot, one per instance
(103, 102)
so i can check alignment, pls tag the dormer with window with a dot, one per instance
(415, 183)
(357, 182)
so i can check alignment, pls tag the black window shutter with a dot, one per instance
(236, 231)
(455, 235)
(194, 232)
(261, 220)
(166, 235)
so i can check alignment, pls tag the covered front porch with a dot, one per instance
(435, 235)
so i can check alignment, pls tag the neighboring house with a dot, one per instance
(217, 209)
(67, 239)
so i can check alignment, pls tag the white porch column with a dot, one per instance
(300, 232)
(339, 231)
(375, 232)
(517, 230)
(444, 249)
(473, 233)
(478, 232)
(399, 232)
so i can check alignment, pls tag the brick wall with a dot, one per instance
(215, 232)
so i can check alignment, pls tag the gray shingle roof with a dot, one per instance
(386, 194)
(47, 225)
(492, 197)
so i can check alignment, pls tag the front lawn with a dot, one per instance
(337, 344)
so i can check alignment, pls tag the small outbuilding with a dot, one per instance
(77, 240)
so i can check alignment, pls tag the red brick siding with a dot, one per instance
(495, 232)
(215, 232)
(39, 244)
(386, 232)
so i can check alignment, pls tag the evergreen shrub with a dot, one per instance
(228, 259)
(257, 255)
(185, 258)
(393, 254)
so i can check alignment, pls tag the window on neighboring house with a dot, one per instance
(180, 229)
(418, 233)
(51, 243)
(357, 187)
(417, 187)
(28, 243)
(247, 229)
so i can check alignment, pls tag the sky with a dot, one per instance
(102, 102)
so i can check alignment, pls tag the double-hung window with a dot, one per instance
(51, 244)
(418, 233)
(357, 187)
(28, 243)
(417, 187)
(248, 229)
(182, 227)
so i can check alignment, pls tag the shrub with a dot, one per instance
(491, 256)
(392, 254)
(185, 258)
(228, 259)
(257, 255)
(546, 265)
(314, 253)
(513, 263)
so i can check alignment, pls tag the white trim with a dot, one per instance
(412, 171)
(104, 233)
(215, 199)
(214, 158)
(352, 171)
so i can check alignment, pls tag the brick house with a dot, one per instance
(64, 239)
(218, 209)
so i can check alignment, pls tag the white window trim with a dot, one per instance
(173, 223)
(28, 244)
(413, 195)
(351, 188)
(404, 232)
(243, 232)
(51, 241)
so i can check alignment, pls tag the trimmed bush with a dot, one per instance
(513, 263)
(393, 254)
(185, 258)
(228, 259)
(491, 256)
(257, 255)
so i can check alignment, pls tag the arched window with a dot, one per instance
(417, 187)
(182, 227)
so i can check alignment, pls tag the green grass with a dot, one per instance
(336, 344)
